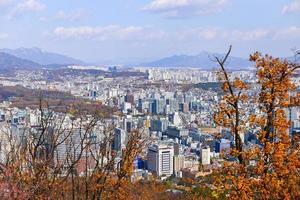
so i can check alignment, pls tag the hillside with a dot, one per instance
(42, 57)
(9, 62)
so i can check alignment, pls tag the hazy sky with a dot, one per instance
(97, 30)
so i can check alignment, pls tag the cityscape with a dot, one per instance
(124, 124)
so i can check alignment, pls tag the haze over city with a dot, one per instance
(126, 31)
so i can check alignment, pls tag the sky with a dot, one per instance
(141, 30)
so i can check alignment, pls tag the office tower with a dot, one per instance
(129, 98)
(147, 122)
(176, 148)
(184, 107)
(178, 163)
(158, 106)
(71, 147)
(127, 124)
(93, 94)
(161, 106)
(140, 105)
(167, 109)
(160, 159)
(144, 106)
(173, 105)
(222, 144)
(126, 107)
(113, 93)
(175, 119)
(120, 138)
(179, 97)
(153, 106)
(188, 98)
(159, 125)
(175, 132)
(294, 117)
(205, 156)
(138, 163)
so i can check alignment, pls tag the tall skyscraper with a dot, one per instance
(158, 106)
(160, 159)
(119, 141)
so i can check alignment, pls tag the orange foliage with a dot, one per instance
(274, 172)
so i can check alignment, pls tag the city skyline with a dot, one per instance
(133, 30)
(149, 99)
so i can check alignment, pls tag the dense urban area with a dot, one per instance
(77, 121)
(149, 100)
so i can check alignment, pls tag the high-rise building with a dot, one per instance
(173, 103)
(160, 159)
(129, 98)
(158, 106)
(184, 107)
(175, 132)
(126, 107)
(188, 98)
(119, 139)
(205, 156)
(159, 125)
(175, 119)
(178, 163)
(222, 144)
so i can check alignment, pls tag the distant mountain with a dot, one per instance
(203, 60)
(42, 57)
(9, 62)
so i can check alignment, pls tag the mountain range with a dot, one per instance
(9, 62)
(35, 58)
(41, 57)
(204, 60)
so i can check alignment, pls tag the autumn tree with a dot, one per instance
(229, 112)
(65, 155)
(271, 167)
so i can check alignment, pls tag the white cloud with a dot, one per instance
(221, 34)
(27, 6)
(287, 33)
(138, 33)
(108, 32)
(249, 35)
(70, 16)
(208, 34)
(293, 6)
(185, 8)
(211, 33)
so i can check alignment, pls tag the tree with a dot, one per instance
(64, 155)
(274, 172)
(229, 114)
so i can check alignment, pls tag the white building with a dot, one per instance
(294, 116)
(178, 163)
(160, 159)
(175, 119)
(126, 106)
(205, 156)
